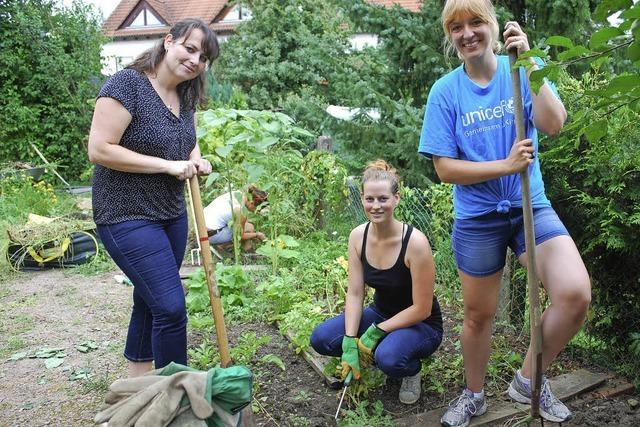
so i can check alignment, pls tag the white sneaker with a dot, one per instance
(410, 389)
(551, 408)
(462, 409)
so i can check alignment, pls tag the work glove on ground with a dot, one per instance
(157, 403)
(349, 361)
(368, 342)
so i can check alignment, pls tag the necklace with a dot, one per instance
(169, 107)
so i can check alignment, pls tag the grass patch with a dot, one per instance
(101, 263)
(13, 344)
(22, 323)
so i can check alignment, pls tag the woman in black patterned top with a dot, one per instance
(143, 143)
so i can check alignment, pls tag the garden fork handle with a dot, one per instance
(530, 247)
(209, 271)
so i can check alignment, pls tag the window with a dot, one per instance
(145, 18)
(238, 13)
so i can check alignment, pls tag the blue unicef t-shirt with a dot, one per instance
(465, 121)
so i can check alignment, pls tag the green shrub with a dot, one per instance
(49, 68)
(594, 186)
(20, 195)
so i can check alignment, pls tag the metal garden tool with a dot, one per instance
(530, 247)
(346, 383)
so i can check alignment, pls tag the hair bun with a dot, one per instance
(380, 170)
(381, 164)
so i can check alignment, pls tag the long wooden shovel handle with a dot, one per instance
(209, 271)
(530, 245)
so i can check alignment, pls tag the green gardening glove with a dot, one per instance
(349, 361)
(368, 342)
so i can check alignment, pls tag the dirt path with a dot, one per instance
(56, 309)
(59, 310)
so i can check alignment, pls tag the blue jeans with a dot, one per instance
(398, 354)
(150, 254)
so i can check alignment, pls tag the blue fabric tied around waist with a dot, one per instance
(503, 206)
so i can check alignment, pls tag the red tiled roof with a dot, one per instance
(412, 5)
(173, 11)
(170, 11)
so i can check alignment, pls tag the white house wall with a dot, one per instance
(117, 54)
(360, 41)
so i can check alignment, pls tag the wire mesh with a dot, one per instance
(411, 210)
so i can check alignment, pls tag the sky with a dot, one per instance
(104, 6)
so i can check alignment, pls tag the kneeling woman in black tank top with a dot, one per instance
(403, 324)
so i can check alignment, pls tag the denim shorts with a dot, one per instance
(480, 244)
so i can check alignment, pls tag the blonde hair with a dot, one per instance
(483, 9)
(380, 170)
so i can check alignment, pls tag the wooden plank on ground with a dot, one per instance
(564, 387)
(317, 362)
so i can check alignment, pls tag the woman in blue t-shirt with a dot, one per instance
(143, 143)
(469, 132)
(403, 324)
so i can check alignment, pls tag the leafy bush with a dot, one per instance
(593, 184)
(366, 414)
(266, 149)
(20, 195)
(49, 68)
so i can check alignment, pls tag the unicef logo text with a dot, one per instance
(482, 114)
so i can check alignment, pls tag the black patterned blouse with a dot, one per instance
(155, 131)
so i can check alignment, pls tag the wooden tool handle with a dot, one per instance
(530, 245)
(209, 270)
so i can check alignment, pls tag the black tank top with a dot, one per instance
(393, 285)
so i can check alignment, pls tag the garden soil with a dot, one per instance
(84, 320)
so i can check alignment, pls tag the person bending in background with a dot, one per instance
(469, 132)
(218, 215)
(403, 324)
(143, 143)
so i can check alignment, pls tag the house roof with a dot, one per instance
(172, 11)
(412, 5)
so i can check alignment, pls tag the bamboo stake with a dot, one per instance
(530, 245)
(44, 159)
(207, 261)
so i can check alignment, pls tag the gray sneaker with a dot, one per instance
(410, 389)
(462, 409)
(551, 408)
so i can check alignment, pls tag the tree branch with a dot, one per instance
(595, 55)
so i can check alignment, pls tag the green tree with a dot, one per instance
(393, 78)
(49, 69)
(593, 166)
(542, 18)
(289, 47)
